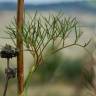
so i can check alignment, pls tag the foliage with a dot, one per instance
(47, 71)
(71, 69)
(59, 69)
(39, 32)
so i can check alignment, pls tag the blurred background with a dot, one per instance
(61, 75)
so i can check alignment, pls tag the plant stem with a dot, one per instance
(20, 65)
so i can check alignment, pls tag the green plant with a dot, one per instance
(40, 32)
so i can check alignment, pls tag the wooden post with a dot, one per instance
(20, 65)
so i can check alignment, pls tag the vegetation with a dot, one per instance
(40, 32)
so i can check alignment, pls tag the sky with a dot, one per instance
(40, 1)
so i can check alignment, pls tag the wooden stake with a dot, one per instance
(20, 65)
